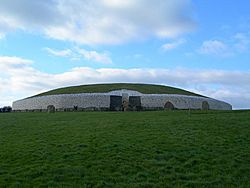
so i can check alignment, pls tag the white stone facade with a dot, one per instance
(102, 101)
(64, 101)
(182, 102)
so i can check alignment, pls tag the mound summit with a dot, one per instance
(104, 88)
(118, 97)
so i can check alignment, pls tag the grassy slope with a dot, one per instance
(97, 88)
(132, 149)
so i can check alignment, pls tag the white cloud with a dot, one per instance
(242, 41)
(7, 62)
(7, 25)
(99, 21)
(21, 80)
(237, 44)
(173, 45)
(60, 53)
(216, 48)
(76, 54)
(2, 35)
(95, 56)
(137, 56)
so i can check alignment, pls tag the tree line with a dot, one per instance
(5, 109)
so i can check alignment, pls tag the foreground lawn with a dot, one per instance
(130, 149)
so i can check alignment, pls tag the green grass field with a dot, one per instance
(99, 88)
(125, 149)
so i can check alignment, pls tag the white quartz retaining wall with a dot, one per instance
(63, 101)
(102, 100)
(182, 102)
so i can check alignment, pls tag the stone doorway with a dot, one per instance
(135, 103)
(115, 103)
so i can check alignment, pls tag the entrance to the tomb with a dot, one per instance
(115, 103)
(135, 103)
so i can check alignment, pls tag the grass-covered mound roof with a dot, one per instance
(103, 88)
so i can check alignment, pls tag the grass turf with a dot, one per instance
(99, 88)
(129, 149)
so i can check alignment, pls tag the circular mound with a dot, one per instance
(118, 97)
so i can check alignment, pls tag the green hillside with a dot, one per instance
(111, 149)
(99, 88)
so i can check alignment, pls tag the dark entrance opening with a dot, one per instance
(205, 105)
(169, 106)
(115, 103)
(135, 103)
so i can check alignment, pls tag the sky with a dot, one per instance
(201, 46)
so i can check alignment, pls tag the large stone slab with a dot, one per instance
(115, 103)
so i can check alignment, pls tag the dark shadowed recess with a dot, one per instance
(115, 103)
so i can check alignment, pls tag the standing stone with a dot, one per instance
(205, 105)
(135, 103)
(115, 103)
(125, 101)
(169, 106)
(51, 109)
(125, 105)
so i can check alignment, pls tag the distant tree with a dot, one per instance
(6, 109)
